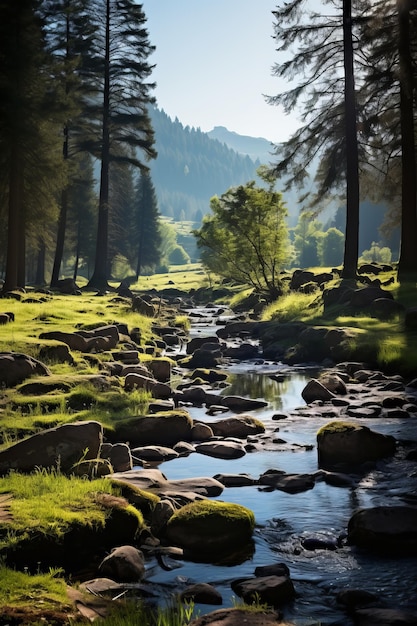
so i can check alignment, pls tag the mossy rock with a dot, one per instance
(207, 375)
(348, 445)
(211, 529)
(165, 429)
(80, 542)
(143, 500)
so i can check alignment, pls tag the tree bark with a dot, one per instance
(100, 274)
(351, 253)
(407, 265)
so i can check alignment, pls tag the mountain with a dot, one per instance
(257, 148)
(192, 167)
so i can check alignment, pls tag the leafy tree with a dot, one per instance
(146, 227)
(306, 238)
(168, 241)
(376, 254)
(126, 135)
(330, 247)
(179, 256)
(245, 238)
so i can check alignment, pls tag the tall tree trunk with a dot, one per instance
(14, 228)
(40, 265)
(351, 253)
(407, 266)
(62, 221)
(100, 275)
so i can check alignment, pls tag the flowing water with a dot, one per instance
(282, 520)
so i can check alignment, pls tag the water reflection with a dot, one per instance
(281, 391)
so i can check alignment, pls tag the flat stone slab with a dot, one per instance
(155, 481)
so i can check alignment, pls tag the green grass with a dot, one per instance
(48, 502)
(40, 591)
(293, 307)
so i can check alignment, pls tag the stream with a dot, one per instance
(282, 519)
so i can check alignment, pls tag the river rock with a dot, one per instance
(154, 453)
(290, 483)
(236, 480)
(201, 593)
(384, 617)
(118, 455)
(391, 529)
(161, 369)
(334, 383)
(201, 432)
(221, 449)
(196, 342)
(139, 305)
(208, 375)
(363, 297)
(241, 427)
(16, 367)
(233, 617)
(155, 481)
(354, 598)
(57, 354)
(123, 564)
(341, 443)
(315, 390)
(74, 340)
(210, 528)
(164, 429)
(208, 356)
(64, 446)
(273, 590)
(239, 404)
(158, 390)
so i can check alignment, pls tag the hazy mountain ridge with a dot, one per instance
(257, 148)
(191, 167)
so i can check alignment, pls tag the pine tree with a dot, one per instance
(69, 37)
(146, 225)
(121, 61)
(324, 55)
(391, 124)
(29, 148)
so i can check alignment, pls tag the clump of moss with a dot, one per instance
(338, 426)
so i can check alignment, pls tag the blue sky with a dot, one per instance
(213, 64)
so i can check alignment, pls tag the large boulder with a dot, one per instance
(63, 446)
(211, 529)
(272, 590)
(123, 564)
(391, 529)
(341, 443)
(221, 449)
(316, 390)
(240, 427)
(164, 429)
(16, 367)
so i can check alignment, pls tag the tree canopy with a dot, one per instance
(244, 239)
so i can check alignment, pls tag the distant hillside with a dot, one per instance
(257, 148)
(191, 167)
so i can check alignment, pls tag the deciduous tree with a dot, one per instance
(245, 237)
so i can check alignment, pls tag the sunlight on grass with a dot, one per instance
(294, 307)
(49, 502)
(38, 591)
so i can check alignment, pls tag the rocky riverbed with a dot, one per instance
(310, 555)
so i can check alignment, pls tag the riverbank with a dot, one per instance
(30, 407)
